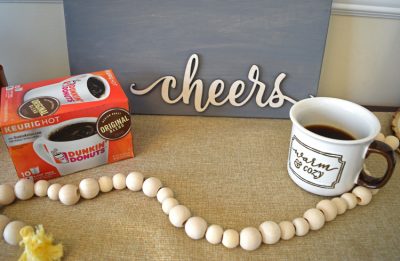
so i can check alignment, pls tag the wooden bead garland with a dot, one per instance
(315, 218)
(301, 226)
(328, 208)
(134, 181)
(106, 184)
(230, 238)
(287, 230)
(40, 188)
(24, 189)
(341, 205)
(178, 215)
(270, 231)
(52, 191)
(350, 199)
(168, 204)
(11, 232)
(214, 234)
(195, 228)
(363, 195)
(7, 195)
(151, 187)
(164, 193)
(119, 181)
(392, 141)
(69, 194)
(250, 238)
(89, 188)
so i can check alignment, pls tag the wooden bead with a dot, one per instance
(350, 199)
(11, 232)
(250, 238)
(7, 195)
(380, 137)
(178, 215)
(89, 188)
(164, 193)
(134, 181)
(287, 230)
(53, 190)
(4, 220)
(315, 218)
(168, 204)
(301, 225)
(340, 204)
(392, 141)
(151, 186)
(69, 194)
(24, 189)
(119, 181)
(40, 188)
(195, 227)
(363, 195)
(230, 238)
(214, 234)
(328, 208)
(105, 184)
(270, 231)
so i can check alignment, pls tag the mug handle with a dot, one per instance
(40, 151)
(386, 151)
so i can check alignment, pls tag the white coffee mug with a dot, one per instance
(74, 155)
(328, 166)
(72, 90)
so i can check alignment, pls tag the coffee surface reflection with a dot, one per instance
(330, 132)
(74, 131)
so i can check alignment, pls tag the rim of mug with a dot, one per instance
(368, 138)
(106, 85)
(61, 124)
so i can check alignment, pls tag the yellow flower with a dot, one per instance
(39, 245)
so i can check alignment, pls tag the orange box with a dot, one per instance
(56, 127)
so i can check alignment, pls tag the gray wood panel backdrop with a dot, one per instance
(143, 41)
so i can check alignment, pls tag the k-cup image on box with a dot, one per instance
(60, 126)
(72, 145)
(81, 88)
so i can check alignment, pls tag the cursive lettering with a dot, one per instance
(192, 87)
(313, 162)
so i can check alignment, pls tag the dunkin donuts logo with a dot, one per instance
(69, 91)
(78, 155)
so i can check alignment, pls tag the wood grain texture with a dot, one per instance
(145, 40)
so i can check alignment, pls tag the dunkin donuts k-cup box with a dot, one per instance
(56, 127)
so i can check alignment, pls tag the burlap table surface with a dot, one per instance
(229, 171)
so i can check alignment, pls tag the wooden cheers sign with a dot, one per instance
(211, 58)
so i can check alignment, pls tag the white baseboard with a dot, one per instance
(378, 9)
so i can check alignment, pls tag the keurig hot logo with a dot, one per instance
(114, 124)
(38, 107)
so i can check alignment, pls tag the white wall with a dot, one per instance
(33, 42)
(361, 62)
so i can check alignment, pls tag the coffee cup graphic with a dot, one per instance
(72, 145)
(76, 89)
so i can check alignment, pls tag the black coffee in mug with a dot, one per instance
(74, 131)
(96, 87)
(330, 132)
